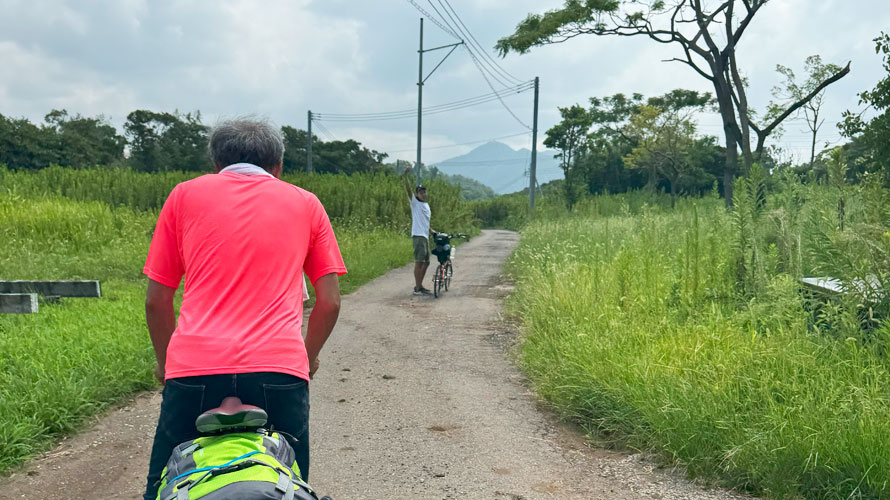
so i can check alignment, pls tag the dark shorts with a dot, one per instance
(284, 397)
(421, 249)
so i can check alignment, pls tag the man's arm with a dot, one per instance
(161, 321)
(323, 317)
(408, 184)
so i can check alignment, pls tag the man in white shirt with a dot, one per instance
(420, 231)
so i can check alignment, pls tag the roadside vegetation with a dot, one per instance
(660, 317)
(685, 331)
(65, 364)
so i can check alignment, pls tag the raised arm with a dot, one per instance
(408, 184)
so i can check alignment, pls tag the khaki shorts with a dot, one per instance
(421, 249)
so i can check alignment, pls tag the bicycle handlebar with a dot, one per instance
(453, 236)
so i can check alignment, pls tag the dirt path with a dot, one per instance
(415, 399)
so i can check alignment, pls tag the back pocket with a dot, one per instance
(288, 407)
(181, 405)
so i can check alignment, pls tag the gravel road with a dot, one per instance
(416, 398)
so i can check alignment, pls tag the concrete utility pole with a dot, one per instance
(417, 164)
(309, 143)
(532, 180)
(420, 81)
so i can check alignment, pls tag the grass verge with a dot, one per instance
(631, 327)
(70, 361)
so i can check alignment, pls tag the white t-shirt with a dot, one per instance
(420, 217)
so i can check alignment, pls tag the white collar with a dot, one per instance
(246, 169)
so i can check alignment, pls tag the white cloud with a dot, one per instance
(282, 57)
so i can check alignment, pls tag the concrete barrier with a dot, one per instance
(18, 303)
(85, 288)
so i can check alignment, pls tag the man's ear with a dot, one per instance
(276, 170)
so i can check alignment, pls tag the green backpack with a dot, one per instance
(239, 462)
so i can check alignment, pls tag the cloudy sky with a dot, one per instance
(280, 58)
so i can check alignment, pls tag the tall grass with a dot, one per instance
(635, 326)
(63, 365)
(375, 198)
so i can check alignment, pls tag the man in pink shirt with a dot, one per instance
(242, 239)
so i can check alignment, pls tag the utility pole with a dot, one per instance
(417, 164)
(309, 143)
(532, 180)
(420, 81)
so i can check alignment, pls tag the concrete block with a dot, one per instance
(18, 303)
(85, 288)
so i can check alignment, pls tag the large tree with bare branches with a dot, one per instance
(708, 34)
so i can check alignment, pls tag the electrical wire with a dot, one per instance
(442, 108)
(481, 50)
(476, 61)
(325, 130)
(462, 163)
(470, 49)
(433, 19)
(463, 143)
(518, 88)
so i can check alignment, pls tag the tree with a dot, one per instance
(24, 145)
(161, 142)
(81, 142)
(569, 138)
(295, 148)
(346, 157)
(708, 38)
(665, 141)
(872, 137)
(791, 91)
(613, 138)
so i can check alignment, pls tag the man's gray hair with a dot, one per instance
(246, 140)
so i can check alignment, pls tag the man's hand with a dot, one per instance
(323, 317)
(313, 367)
(159, 374)
(161, 321)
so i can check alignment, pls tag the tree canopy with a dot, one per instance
(155, 142)
(871, 137)
(625, 142)
(707, 35)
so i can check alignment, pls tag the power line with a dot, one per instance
(518, 88)
(473, 56)
(485, 162)
(442, 108)
(491, 62)
(476, 61)
(469, 47)
(467, 143)
(433, 19)
(325, 131)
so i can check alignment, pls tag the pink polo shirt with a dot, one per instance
(243, 243)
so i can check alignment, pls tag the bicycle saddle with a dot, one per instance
(231, 414)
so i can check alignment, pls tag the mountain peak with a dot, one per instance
(501, 167)
(493, 147)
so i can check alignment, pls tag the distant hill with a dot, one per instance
(501, 167)
(470, 189)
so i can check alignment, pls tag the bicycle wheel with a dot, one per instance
(448, 272)
(437, 281)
